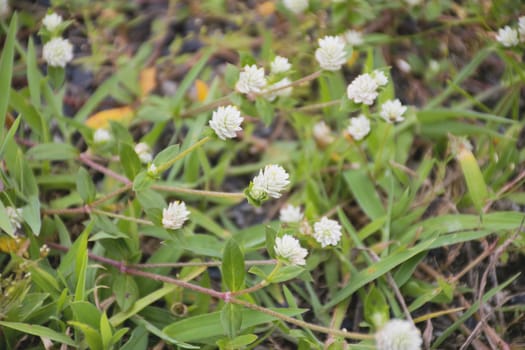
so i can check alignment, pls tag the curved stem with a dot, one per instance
(201, 263)
(217, 103)
(321, 105)
(183, 154)
(122, 217)
(235, 195)
(261, 284)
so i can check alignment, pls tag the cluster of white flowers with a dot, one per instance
(15, 217)
(296, 6)
(280, 65)
(354, 37)
(331, 53)
(251, 80)
(359, 127)
(398, 335)
(144, 152)
(327, 232)
(52, 21)
(270, 181)
(289, 249)
(58, 52)
(226, 121)
(364, 88)
(290, 214)
(507, 36)
(101, 136)
(174, 216)
(392, 111)
(323, 133)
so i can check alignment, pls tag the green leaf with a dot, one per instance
(81, 263)
(56, 75)
(231, 75)
(233, 271)
(364, 192)
(106, 332)
(142, 181)
(85, 186)
(138, 340)
(6, 70)
(39, 331)
(231, 319)
(376, 308)
(31, 215)
(5, 223)
(126, 291)
(130, 161)
(286, 273)
(166, 155)
(52, 151)
(265, 110)
(91, 335)
(239, 342)
(270, 241)
(10, 136)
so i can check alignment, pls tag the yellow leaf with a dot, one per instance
(353, 58)
(10, 244)
(202, 90)
(101, 119)
(148, 80)
(266, 8)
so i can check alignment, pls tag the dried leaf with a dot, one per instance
(266, 8)
(101, 119)
(201, 89)
(148, 80)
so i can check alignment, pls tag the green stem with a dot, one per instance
(261, 284)
(217, 103)
(236, 195)
(321, 105)
(122, 217)
(183, 154)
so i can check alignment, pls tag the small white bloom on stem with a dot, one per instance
(354, 37)
(15, 217)
(4, 8)
(359, 127)
(270, 96)
(327, 232)
(226, 121)
(323, 133)
(289, 249)
(507, 36)
(380, 77)
(331, 53)
(398, 335)
(174, 216)
(296, 6)
(251, 80)
(144, 152)
(270, 181)
(392, 111)
(58, 52)
(101, 136)
(363, 89)
(290, 214)
(403, 66)
(51, 21)
(280, 65)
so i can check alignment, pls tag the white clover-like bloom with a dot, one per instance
(327, 232)
(58, 52)
(413, 2)
(101, 136)
(363, 89)
(174, 216)
(392, 111)
(51, 21)
(251, 80)
(226, 121)
(331, 53)
(271, 181)
(354, 37)
(323, 133)
(144, 152)
(403, 65)
(433, 65)
(379, 77)
(289, 249)
(359, 127)
(398, 335)
(521, 27)
(153, 170)
(507, 36)
(296, 6)
(290, 214)
(4, 8)
(270, 96)
(15, 217)
(280, 65)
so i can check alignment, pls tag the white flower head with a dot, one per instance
(359, 127)
(281, 92)
(413, 2)
(51, 21)
(380, 77)
(296, 6)
(398, 335)
(4, 8)
(521, 27)
(403, 65)
(58, 52)
(392, 111)
(507, 36)
(327, 232)
(144, 152)
(290, 214)
(280, 65)
(354, 37)
(331, 53)
(363, 89)
(226, 121)
(289, 249)
(271, 181)
(15, 217)
(101, 136)
(323, 133)
(251, 80)
(174, 216)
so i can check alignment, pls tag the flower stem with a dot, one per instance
(238, 196)
(183, 154)
(217, 103)
(122, 217)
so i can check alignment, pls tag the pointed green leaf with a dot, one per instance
(233, 266)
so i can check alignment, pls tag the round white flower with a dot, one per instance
(15, 217)
(392, 111)
(296, 6)
(51, 21)
(174, 216)
(403, 65)
(398, 335)
(289, 249)
(323, 133)
(280, 65)
(331, 53)
(359, 127)
(507, 36)
(380, 77)
(101, 136)
(144, 152)
(226, 121)
(363, 89)
(290, 214)
(354, 37)
(327, 232)
(521, 27)
(4, 8)
(413, 2)
(270, 96)
(58, 52)
(251, 80)
(270, 181)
